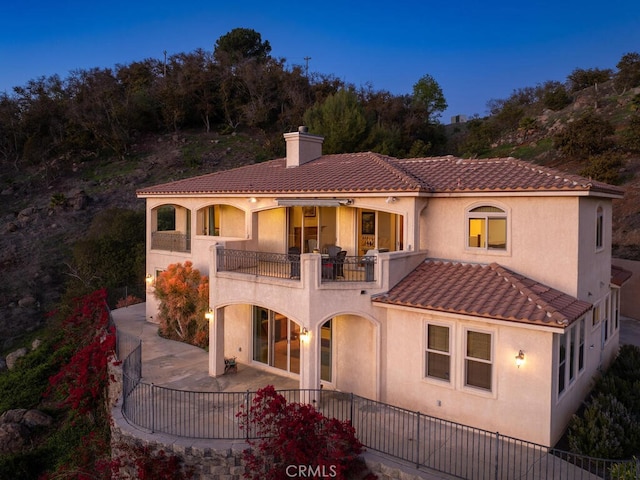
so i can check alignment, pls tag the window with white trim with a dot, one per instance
(438, 353)
(478, 361)
(571, 354)
(487, 228)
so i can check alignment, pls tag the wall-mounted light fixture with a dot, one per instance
(253, 199)
(148, 279)
(391, 200)
(520, 358)
(304, 335)
(209, 315)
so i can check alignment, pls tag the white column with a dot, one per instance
(309, 359)
(216, 343)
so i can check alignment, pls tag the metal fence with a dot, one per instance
(425, 441)
(287, 265)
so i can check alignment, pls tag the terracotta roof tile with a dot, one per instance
(619, 275)
(489, 291)
(354, 173)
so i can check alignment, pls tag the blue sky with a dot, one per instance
(476, 50)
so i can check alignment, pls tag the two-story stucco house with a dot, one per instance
(478, 291)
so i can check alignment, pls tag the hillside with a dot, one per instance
(41, 215)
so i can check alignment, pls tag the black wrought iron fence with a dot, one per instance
(425, 441)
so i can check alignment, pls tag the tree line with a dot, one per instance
(240, 85)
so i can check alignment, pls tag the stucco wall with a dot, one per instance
(630, 291)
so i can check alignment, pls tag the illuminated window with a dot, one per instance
(438, 354)
(487, 228)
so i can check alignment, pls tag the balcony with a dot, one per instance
(171, 241)
(278, 265)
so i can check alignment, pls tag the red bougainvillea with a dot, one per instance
(81, 383)
(296, 440)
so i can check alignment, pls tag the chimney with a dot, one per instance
(302, 147)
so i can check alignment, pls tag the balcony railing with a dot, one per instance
(282, 265)
(171, 241)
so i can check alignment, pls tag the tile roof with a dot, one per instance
(354, 173)
(489, 291)
(619, 275)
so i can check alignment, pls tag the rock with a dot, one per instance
(36, 418)
(27, 301)
(11, 227)
(13, 437)
(16, 427)
(78, 199)
(36, 343)
(13, 357)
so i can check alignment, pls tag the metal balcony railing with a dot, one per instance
(171, 241)
(283, 265)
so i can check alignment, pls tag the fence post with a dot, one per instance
(153, 409)
(497, 459)
(418, 442)
(351, 410)
(246, 404)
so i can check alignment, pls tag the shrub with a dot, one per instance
(588, 135)
(606, 429)
(603, 168)
(293, 435)
(184, 299)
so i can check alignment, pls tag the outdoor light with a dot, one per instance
(149, 279)
(304, 335)
(209, 315)
(391, 200)
(520, 358)
(253, 200)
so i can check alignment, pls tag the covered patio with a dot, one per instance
(185, 367)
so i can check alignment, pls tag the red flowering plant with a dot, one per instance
(294, 438)
(81, 383)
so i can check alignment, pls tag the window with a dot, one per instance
(571, 354)
(487, 228)
(596, 315)
(599, 228)
(562, 362)
(581, 346)
(478, 366)
(438, 354)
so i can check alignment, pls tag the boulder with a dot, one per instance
(13, 357)
(13, 437)
(16, 428)
(27, 301)
(36, 418)
(36, 343)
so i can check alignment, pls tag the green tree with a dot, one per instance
(582, 78)
(239, 45)
(631, 136)
(555, 96)
(428, 98)
(341, 119)
(628, 75)
(588, 135)
(111, 254)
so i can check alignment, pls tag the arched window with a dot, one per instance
(487, 228)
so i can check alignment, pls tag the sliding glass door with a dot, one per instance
(276, 340)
